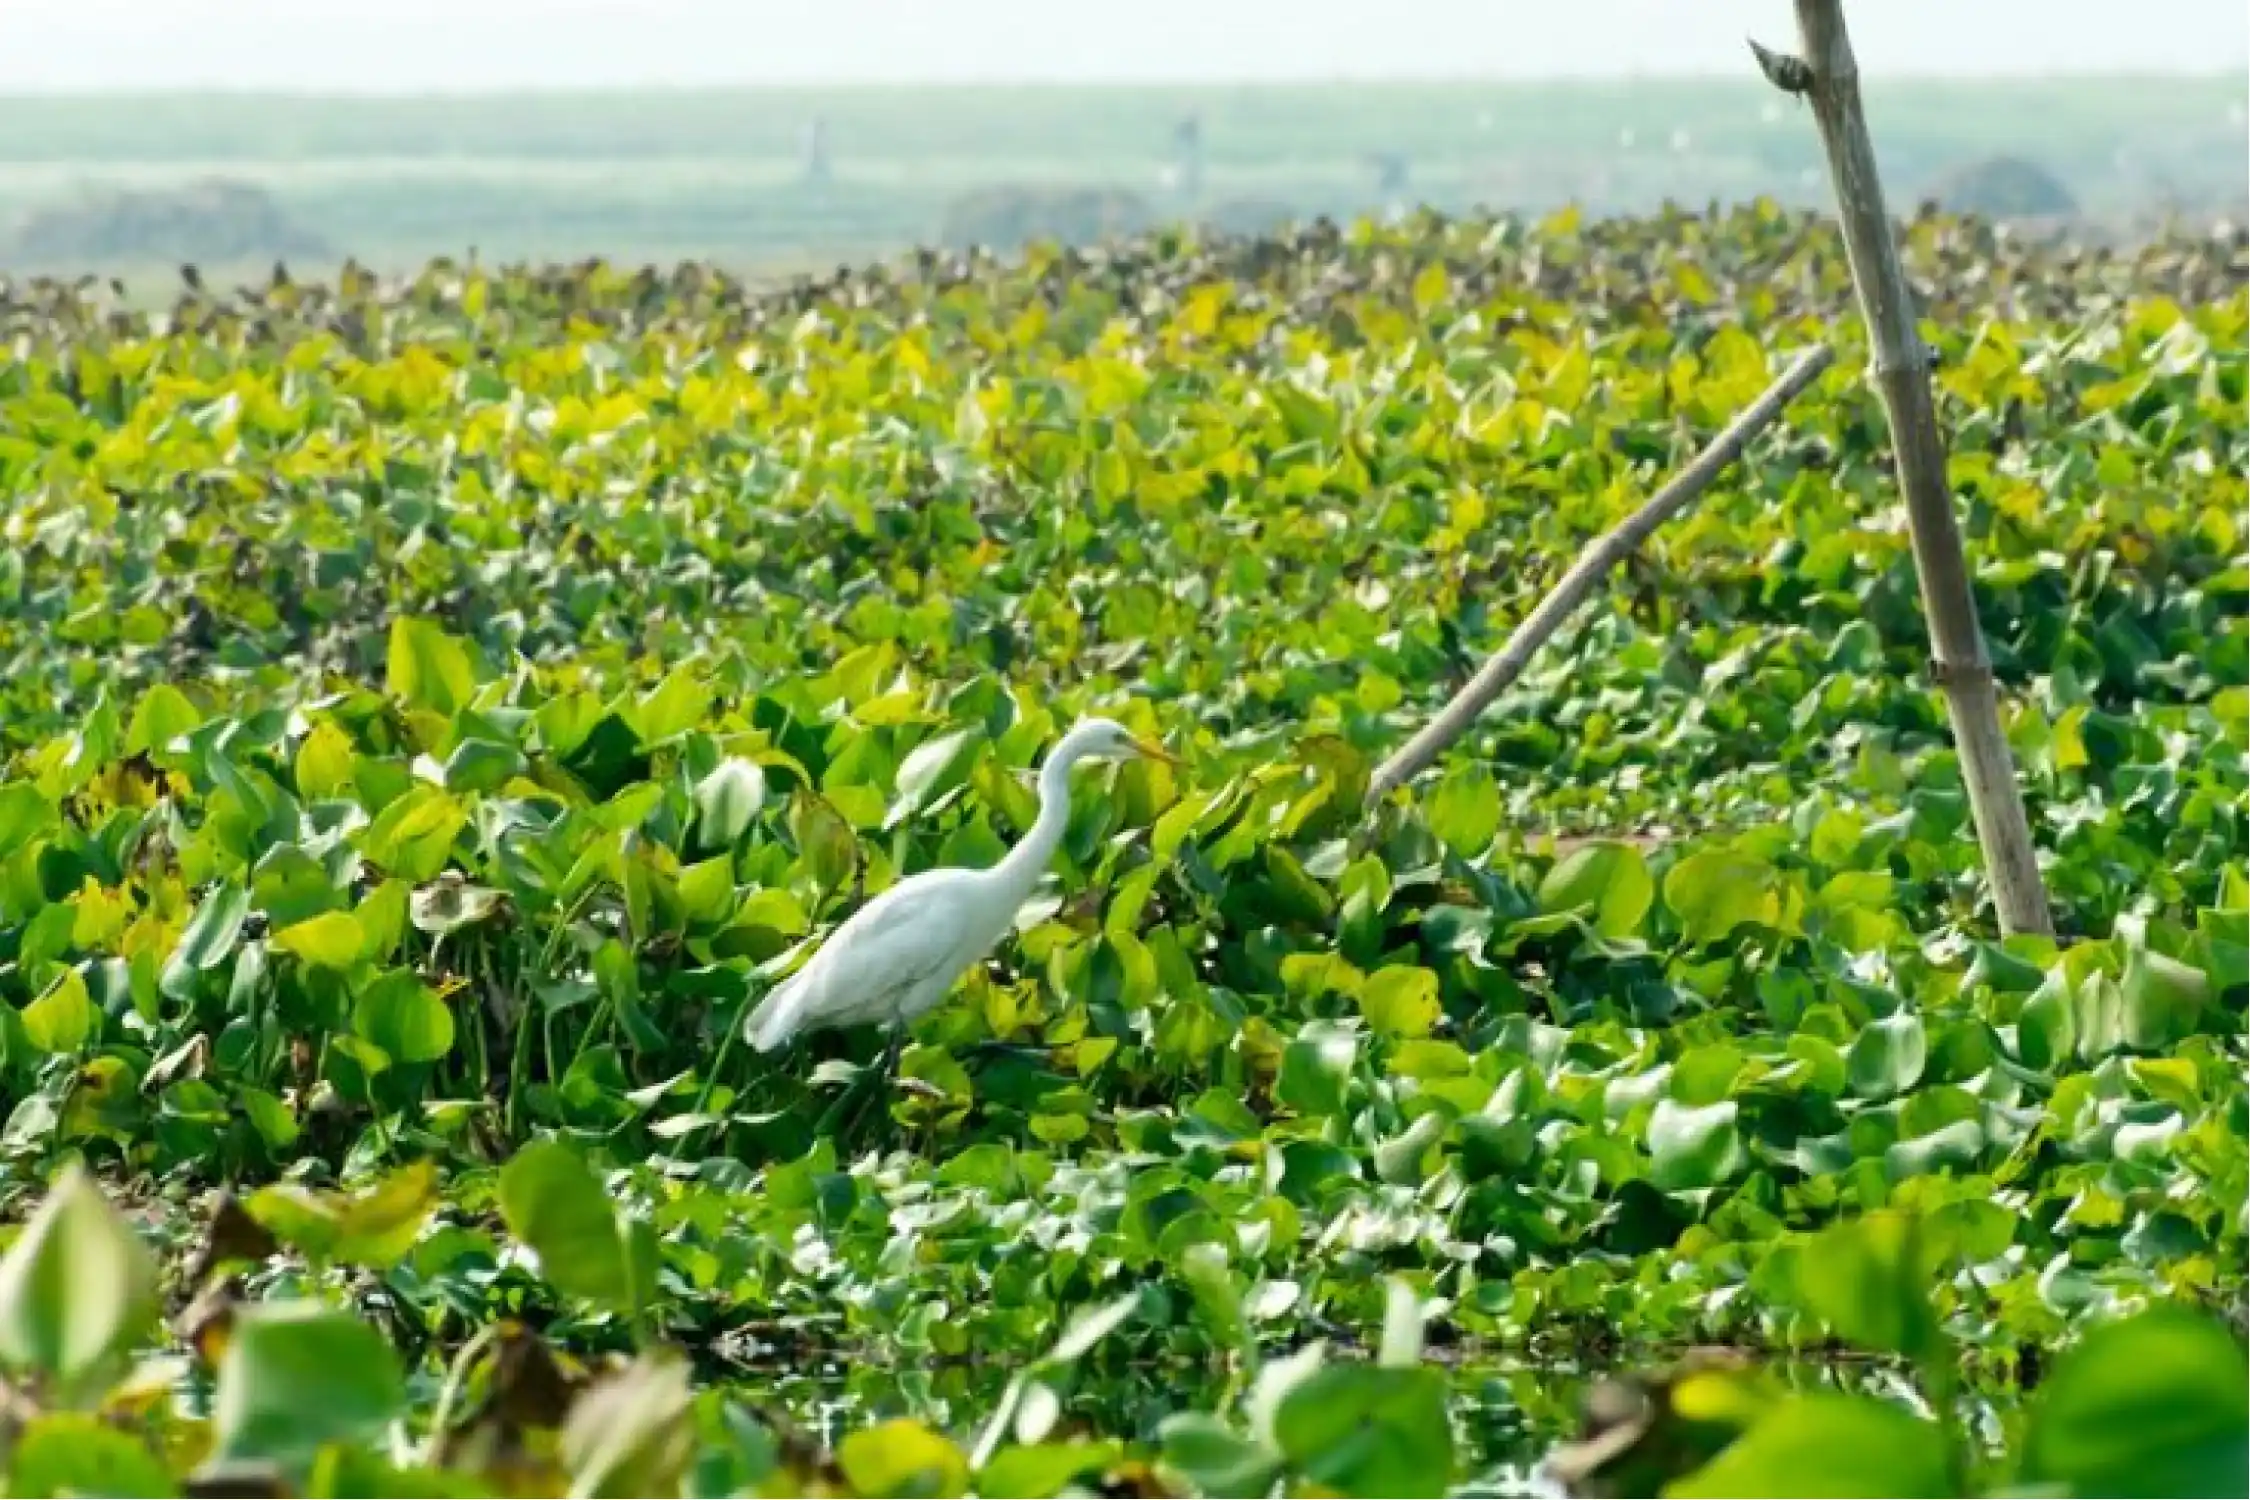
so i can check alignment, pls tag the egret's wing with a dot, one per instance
(905, 937)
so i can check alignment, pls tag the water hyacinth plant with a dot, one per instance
(434, 713)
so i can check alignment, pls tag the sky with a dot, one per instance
(393, 46)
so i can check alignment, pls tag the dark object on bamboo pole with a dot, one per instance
(1828, 75)
(1594, 562)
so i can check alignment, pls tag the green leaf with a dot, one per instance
(1887, 1057)
(290, 886)
(1404, 1159)
(1835, 836)
(1366, 1430)
(2162, 998)
(1694, 1147)
(270, 1118)
(824, 840)
(25, 814)
(325, 758)
(375, 1226)
(930, 770)
(95, 744)
(1828, 1445)
(296, 1376)
(404, 1017)
(902, 1457)
(2152, 1405)
(671, 708)
(555, 1204)
(331, 940)
(2097, 1009)
(707, 889)
(1464, 811)
(426, 668)
(1969, 1229)
(1705, 1075)
(482, 766)
(77, 1288)
(1316, 1066)
(1956, 1147)
(1040, 1470)
(208, 939)
(1216, 1459)
(1714, 891)
(1089, 1326)
(61, 1019)
(76, 1453)
(413, 837)
(1400, 1000)
(1307, 415)
(1204, 1268)
(1608, 880)
(2047, 1027)
(2003, 969)
(162, 716)
(1867, 1279)
(382, 920)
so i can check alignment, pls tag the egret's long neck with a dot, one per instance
(1028, 860)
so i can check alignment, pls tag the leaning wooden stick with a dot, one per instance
(1594, 563)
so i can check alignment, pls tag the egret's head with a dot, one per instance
(1106, 739)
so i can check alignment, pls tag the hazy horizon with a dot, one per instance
(349, 47)
(626, 87)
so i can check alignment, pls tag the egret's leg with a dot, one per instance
(870, 1084)
(884, 1084)
(842, 1117)
(832, 1119)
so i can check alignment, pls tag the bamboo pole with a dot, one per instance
(1828, 75)
(1593, 564)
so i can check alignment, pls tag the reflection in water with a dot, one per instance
(1507, 1414)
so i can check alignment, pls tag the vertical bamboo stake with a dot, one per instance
(1828, 75)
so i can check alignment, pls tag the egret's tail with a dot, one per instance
(774, 1020)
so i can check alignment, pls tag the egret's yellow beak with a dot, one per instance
(1157, 752)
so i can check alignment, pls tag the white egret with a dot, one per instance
(898, 956)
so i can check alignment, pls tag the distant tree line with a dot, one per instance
(215, 221)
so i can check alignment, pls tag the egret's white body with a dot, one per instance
(898, 956)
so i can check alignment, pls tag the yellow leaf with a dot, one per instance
(382, 919)
(1401, 1000)
(150, 933)
(1199, 314)
(902, 1457)
(63, 1018)
(2069, 742)
(1000, 1009)
(331, 940)
(1566, 382)
(324, 761)
(427, 668)
(101, 916)
(1430, 287)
